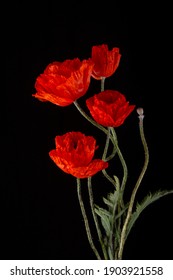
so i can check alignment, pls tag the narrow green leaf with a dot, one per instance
(104, 219)
(110, 253)
(108, 202)
(106, 215)
(121, 212)
(101, 211)
(150, 198)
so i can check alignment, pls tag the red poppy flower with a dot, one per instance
(74, 155)
(64, 82)
(105, 61)
(109, 108)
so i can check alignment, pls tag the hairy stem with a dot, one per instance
(86, 220)
(106, 144)
(88, 118)
(132, 199)
(91, 198)
(109, 178)
(122, 162)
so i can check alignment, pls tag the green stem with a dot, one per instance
(89, 118)
(125, 170)
(109, 178)
(132, 199)
(86, 220)
(108, 133)
(118, 231)
(112, 155)
(106, 144)
(104, 158)
(113, 221)
(95, 218)
(103, 83)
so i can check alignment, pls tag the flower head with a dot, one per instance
(109, 108)
(74, 155)
(105, 61)
(64, 82)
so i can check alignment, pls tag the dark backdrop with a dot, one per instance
(41, 218)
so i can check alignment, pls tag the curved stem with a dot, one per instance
(104, 158)
(122, 162)
(108, 134)
(132, 199)
(86, 220)
(95, 218)
(115, 146)
(113, 221)
(109, 178)
(113, 154)
(89, 118)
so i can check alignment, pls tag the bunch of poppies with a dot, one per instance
(63, 83)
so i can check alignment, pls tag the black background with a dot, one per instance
(41, 218)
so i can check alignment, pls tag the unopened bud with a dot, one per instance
(140, 112)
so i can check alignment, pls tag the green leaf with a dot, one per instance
(150, 198)
(104, 215)
(107, 214)
(101, 211)
(110, 254)
(108, 202)
(121, 212)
